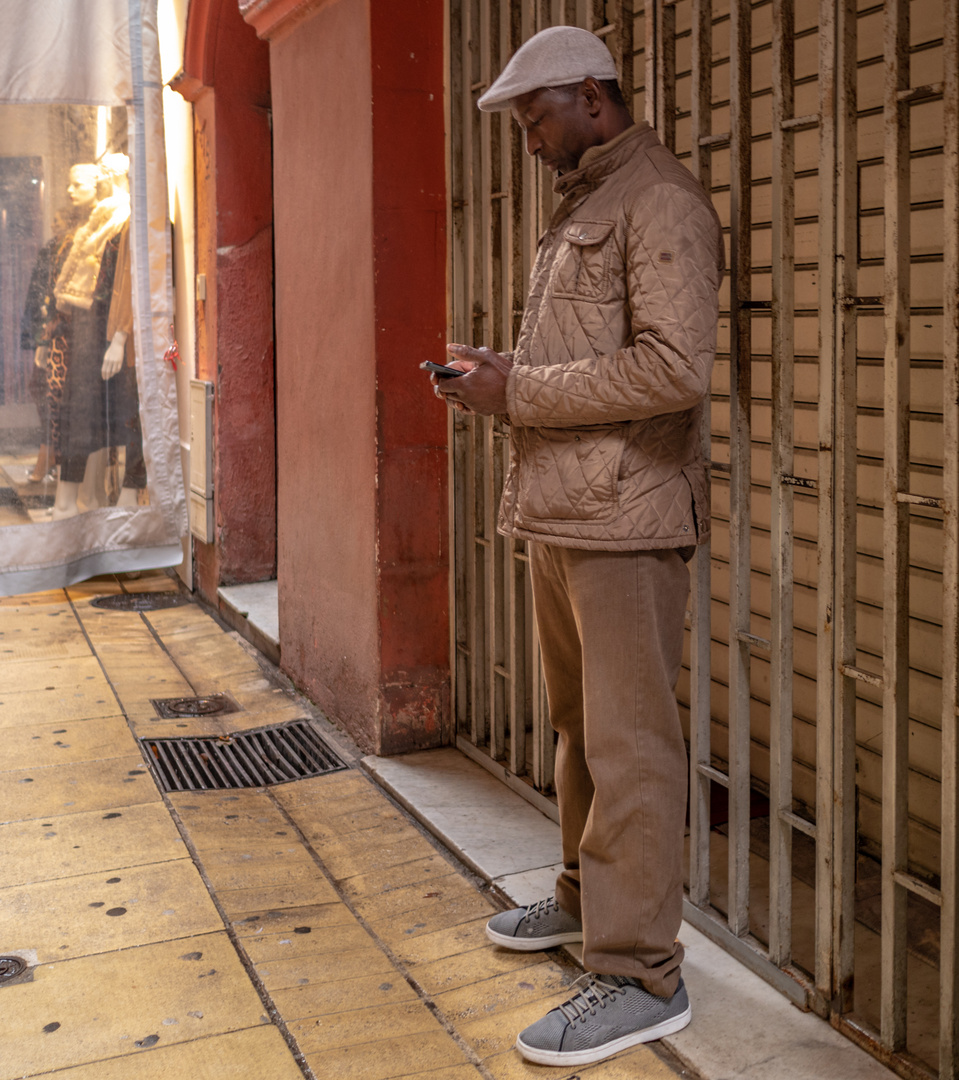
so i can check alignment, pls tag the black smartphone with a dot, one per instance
(440, 370)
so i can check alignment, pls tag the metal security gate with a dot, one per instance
(821, 686)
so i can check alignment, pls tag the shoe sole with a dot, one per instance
(600, 1053)
(533, 944)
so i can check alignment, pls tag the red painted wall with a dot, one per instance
(228, 79)
(360, 301)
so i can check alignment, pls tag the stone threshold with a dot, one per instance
(253, 612)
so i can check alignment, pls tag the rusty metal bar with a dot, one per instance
(700, 586)
(664, 63)
(495, 281)
(836, 639)
(949, 916)
(652, 23)
(895, 733)
(740, 461)
(783, 463)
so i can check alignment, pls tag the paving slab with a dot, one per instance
(304, 941)
(48, 848)
(25, 746)
(241, 1055)
(95, 699)
(75, 786)
(83, 1010)
(363, 1025)
(506, 991)
(66, 673)
(472, 967)
(343, 995)
(108, 910)
(391, 1057)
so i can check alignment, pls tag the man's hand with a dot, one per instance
(483, 389)
(113, 357)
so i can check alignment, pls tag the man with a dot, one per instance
(604, 393)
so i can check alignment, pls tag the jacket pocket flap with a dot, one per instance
(588, 233)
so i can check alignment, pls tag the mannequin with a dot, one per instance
(38, 313)
(92, 410)
(119, 363)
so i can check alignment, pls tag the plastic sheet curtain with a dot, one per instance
(90, 475)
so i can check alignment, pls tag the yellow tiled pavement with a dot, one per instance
(306, 929)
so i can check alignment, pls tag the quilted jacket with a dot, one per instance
(613, 360)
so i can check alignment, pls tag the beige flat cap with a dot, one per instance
(559, 56)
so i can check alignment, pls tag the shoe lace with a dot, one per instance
(594, 994)
(541, 907)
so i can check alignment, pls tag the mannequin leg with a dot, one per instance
(128, 497)
(44, 463)
(93, 492)
(65, 502)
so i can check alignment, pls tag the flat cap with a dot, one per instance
(559, 56)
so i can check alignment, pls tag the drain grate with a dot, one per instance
(175, 708)
(11, 967)
(269, 755)
(140, 601)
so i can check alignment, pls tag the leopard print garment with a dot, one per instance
(56, 377)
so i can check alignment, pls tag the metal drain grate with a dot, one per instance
(11, 967)
(269, 755)
(140, 601)
(175, 708)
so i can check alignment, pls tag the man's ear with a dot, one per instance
(592, 94)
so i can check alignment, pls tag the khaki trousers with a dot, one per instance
(611, 631)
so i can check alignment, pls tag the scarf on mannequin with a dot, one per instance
(77, 281)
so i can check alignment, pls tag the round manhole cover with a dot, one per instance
(196, 706)
(11, 967)
(140, 601)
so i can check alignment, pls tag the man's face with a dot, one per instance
(557, 125)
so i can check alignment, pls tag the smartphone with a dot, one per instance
(441, 371)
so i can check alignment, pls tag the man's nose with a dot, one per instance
(533, 143)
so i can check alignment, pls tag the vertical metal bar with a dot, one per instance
(836, 708)
(740, 462)
(664, 63)
(470, 480)
(459, 303)
(482, 327)
(496, 275)
(619, 16)
(701, 95)
(895, 734)
(700, 586)
(783, 381)
(515, 628)
(652, 21)
(949, 916)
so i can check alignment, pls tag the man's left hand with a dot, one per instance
(483, 389)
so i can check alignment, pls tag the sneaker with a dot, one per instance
(609, 1014)
(538, 926)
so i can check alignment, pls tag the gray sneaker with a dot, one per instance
(609, 1014)
(538, 926)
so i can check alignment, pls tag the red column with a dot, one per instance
(360, 211)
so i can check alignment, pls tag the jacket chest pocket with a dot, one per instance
(582, 266)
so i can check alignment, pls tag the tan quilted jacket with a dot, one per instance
(613, 359)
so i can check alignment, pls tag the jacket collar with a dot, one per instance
(599, 161)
